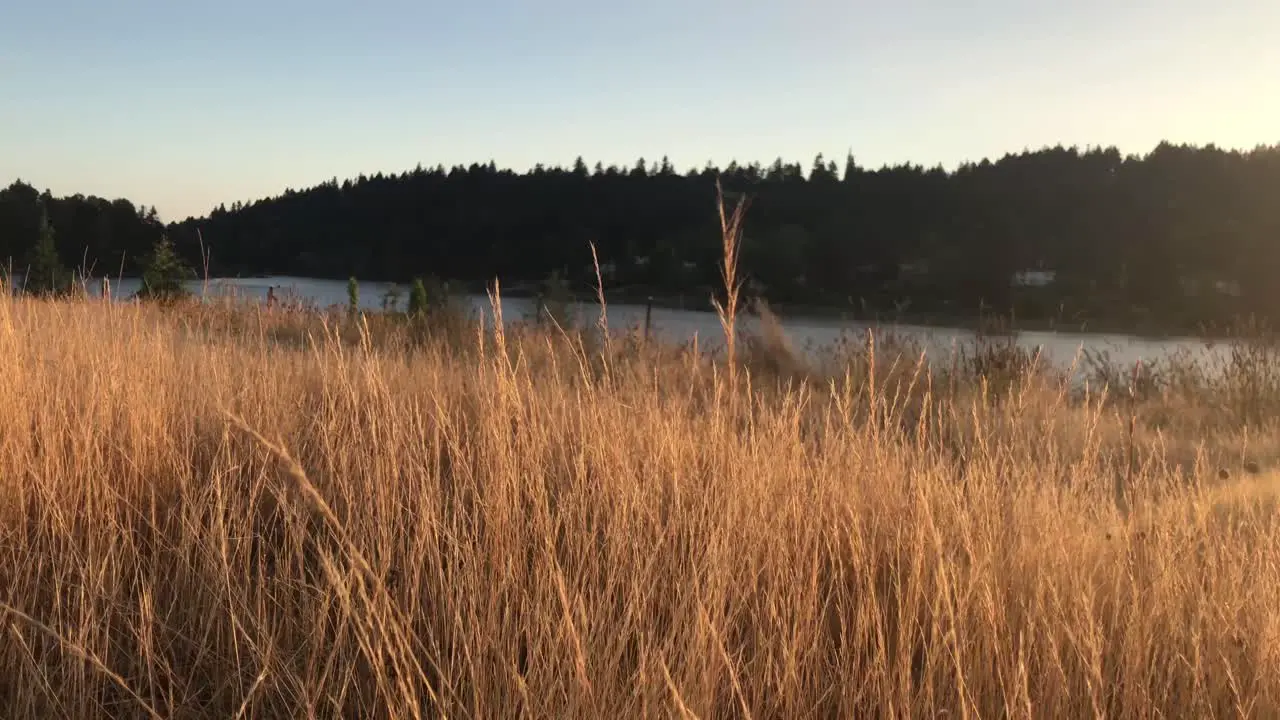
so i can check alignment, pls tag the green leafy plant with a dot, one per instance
(353, 295)
(428, 296)
(418, 298)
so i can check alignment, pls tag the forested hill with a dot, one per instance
(1182, 232)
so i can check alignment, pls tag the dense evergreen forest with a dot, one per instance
(1180, 236)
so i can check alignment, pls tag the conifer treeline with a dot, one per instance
(1184, 233)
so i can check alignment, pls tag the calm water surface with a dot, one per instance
(682, 325)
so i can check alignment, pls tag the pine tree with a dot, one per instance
(46, 275)
(164, 273)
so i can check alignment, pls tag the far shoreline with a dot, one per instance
(699, 300)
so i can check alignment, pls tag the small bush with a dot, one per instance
(556, 301)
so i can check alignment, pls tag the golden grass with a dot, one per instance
(220, 513)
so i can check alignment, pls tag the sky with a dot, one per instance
(184, 105)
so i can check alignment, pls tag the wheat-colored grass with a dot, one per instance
(220, 513)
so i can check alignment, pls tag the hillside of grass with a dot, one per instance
(212, 510)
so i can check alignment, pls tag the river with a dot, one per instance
(805, 333)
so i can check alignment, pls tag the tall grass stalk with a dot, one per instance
(731, 240)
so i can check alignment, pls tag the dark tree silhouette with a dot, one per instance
(1181, 235)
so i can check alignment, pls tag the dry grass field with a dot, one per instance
(219, 512)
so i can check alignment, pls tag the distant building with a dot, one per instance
(1227, 287)
(1034, 278)
(1195, 287)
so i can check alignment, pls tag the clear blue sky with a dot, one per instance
(185, 104)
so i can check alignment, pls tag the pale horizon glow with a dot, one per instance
(187, 106)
